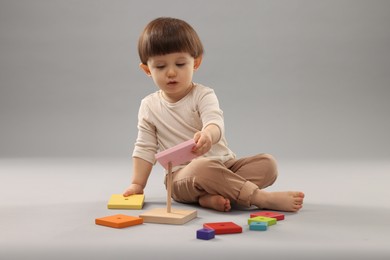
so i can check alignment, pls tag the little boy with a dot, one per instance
(170, 51)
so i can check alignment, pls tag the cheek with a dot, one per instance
(156, 81)
(190, 74)
(187, 72)
(159, 81)
(156, 76)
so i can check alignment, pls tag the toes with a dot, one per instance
(227, 205)
(299, 194)
(297, 207)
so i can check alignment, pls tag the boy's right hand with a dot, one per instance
(133, 189)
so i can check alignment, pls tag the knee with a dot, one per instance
(200, 165)
(197, 168)
(272, 166)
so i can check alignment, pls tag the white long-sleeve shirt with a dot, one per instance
(162, 125)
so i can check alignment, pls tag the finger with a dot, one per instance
(127, 193)
(197, 146)
(197, 136)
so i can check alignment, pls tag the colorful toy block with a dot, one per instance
(118, 201)
(205, 234)
(177, 155)
(269, 214)
(223, 227)
(118, 221)
(169, 158)
(269, 221)
(259, 226)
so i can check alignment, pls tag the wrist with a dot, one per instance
(208, 134)
(138, 185)
(213, 132)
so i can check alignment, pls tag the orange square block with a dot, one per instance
(119, 221)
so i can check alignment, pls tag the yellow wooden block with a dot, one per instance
(161, 216)
(118, 201)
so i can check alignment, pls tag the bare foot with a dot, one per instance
(216, 202)
(281, 200)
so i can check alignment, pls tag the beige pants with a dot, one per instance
(235, 179)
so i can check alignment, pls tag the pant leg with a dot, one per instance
(261, 169)
(204, 176)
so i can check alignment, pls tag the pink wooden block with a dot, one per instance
(177, 155)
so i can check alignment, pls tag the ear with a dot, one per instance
(145, 68)
(197, 62)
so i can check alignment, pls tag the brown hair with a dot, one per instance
(166, 35)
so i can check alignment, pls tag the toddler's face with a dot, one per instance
(172, 73)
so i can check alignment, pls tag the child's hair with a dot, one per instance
(167, 35)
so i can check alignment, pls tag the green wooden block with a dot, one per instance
(269, 221)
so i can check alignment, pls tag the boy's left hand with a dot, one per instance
(203, 143)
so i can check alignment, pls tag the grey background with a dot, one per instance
(307, 81)
(298, 79)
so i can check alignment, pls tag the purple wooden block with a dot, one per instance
(205, 234)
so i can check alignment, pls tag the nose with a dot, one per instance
(171, 72)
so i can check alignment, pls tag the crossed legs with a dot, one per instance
(215, 185)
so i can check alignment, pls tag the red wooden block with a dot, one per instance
(223, 227)
(118, 221)
(268, 214)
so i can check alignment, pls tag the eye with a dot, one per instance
(160, 67)
(180, 64)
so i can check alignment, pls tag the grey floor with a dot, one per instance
(48, 208)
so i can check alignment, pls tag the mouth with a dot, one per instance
(170, 83)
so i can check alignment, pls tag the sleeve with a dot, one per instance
(146, 144)
(210, 111)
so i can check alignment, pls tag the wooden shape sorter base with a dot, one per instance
(169, 158)
(118, 221)
(118, 201)
(162, 216)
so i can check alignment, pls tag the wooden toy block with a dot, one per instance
(169, 158)
(205, 234)
(118, 221)
(223, 227)
(269, 221)
(177, 155)
(259, 226)
(175, 216)
(269, 214)
(118, 201)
